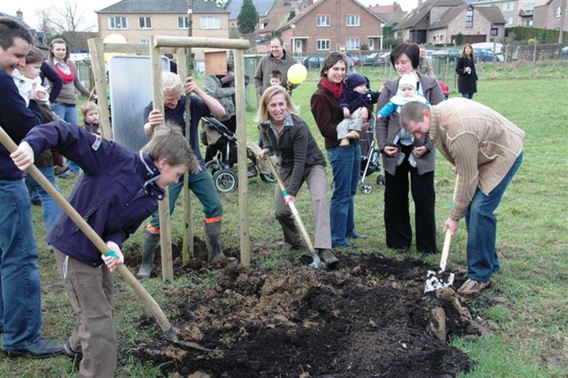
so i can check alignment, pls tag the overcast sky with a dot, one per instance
(29, 8)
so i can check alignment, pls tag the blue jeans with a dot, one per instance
(50, 207)
(345, 164)
(20, 299)
(68, 114)
(482, 259)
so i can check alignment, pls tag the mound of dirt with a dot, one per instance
(368, 317)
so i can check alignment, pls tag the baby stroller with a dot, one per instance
(225, 177)
(370, 159)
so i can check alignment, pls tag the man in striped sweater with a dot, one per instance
(486, 150)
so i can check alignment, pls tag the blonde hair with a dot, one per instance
(262, 114)
(169, 143)
(171, 83)
(87, 107)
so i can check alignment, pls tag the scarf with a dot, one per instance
(335, 89)
(67, 77)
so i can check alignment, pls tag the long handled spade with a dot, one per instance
(151, 305)
(316, 263)
(441, 279)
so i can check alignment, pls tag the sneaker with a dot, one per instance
(41, 349)
(471, 287)
(403, 249)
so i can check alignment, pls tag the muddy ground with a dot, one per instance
(368, 317)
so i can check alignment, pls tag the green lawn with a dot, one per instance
(530, 299)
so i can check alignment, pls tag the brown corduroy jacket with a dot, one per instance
(481, 144)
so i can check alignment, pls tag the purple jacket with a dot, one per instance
(114, 195)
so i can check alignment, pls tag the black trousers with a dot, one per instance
(397, 215)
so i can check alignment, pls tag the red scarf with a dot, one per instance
(335, 89)
(67, 78)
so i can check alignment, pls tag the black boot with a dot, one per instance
(149, 243)
(213, 241)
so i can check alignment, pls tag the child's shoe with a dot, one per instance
(353, 135)
(344, 142)
(400, 158)
(411, 160)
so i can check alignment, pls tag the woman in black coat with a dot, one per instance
(467, 76)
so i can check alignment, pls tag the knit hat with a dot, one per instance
(354, 80)
(407, 79)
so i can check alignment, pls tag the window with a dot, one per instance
(210, 22)
(469, 18)
(322, 21)
(145, 41)
(352, 44)
(117, 22)
(494, 31)
(352, 20)
(558, 12)
(508, 6)
(183, 22)
(441, 37)
(322, 44)
(145, 22)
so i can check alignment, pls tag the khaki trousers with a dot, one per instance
(90, 292)
(317, 185)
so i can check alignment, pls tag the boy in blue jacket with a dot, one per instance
(118, 190)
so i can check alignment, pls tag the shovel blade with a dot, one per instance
(436, 281)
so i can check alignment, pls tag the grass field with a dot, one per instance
(528, 304)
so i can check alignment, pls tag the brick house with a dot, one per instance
(515, 12)
(326, 25)
(440, 21)
(138, 20)
(391, 14)
(551, 15)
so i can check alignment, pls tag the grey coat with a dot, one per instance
(214, 88)
(265, 67)
(386, 129)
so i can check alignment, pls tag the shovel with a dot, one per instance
(435, 281)
(316, 263)
(151, 305)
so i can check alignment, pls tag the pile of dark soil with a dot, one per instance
(368, 317)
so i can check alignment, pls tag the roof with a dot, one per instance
(276, 18)
(162, 6)
(37, 34)
(492, 14)
(385, 9)
(262, 7)
(309, 9)
(415, 19)
(448, 16)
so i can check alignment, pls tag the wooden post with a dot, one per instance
(187, 246)
(164, 205)
(98, 64)
(242, 156)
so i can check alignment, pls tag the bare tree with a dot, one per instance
(70, 17)
(45, 24)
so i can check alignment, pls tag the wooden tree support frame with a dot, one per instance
(180, 45)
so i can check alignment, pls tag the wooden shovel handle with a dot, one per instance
(448, 236)
(295, 213)
(150, 303)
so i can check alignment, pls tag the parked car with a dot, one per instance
(313, 61)
(451, 55)
(484, 55)
(375, 59)
(564, 51)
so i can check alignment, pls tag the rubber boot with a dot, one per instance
(149, 243)
(213, 241)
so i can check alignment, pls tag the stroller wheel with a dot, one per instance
(380, 180)
(213, 166)
(267, 177)
(365, 188)
(225, 180)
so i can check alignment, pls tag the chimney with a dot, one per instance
(20, 15)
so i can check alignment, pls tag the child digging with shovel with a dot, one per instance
(118, 190)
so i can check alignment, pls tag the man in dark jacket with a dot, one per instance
(20, 298)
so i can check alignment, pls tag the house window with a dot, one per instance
(469, 18)
(352, 20)
(352, 44)
(494, 31)
(558, 12)
(145, 41)
(441, 38)
(322, 21)
(183, 22)
(117, 22)
(145, 22)
(322, 44)
(210, 22)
